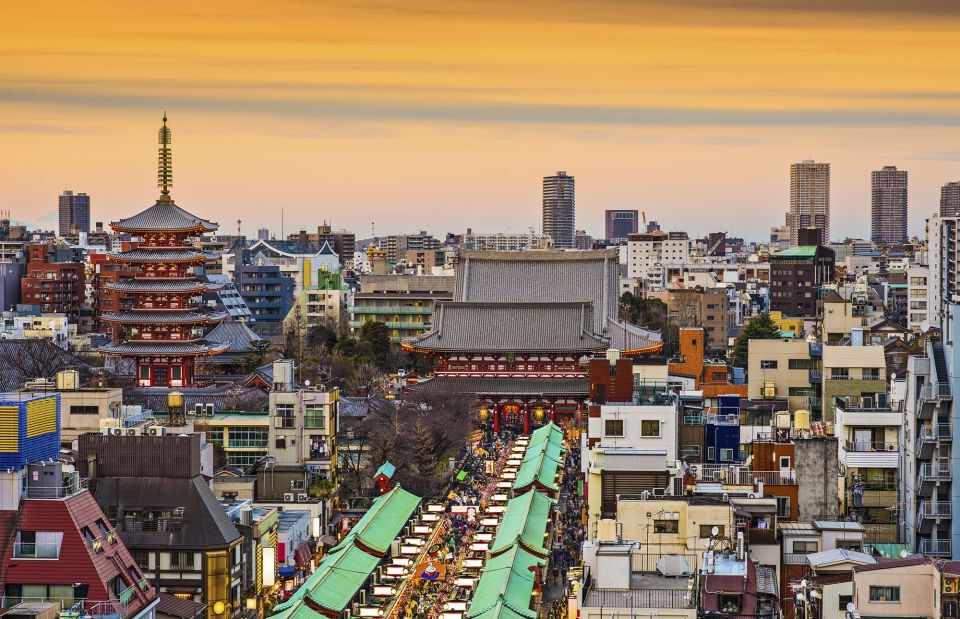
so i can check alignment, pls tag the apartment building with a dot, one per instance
(857, 372)
(404, 302)
(653, 258)
(785, 368)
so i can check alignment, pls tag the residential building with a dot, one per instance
(74, 210)
(303, 262)
(789, 327)
(259, 527)
(654, 258)
(858, 372)
(784, 368)
(501, 241)
(399, 244)
(559, 209)
(343, 242)
(268, 292)
(950, 199)
(912, 586)
(619, 224)
(888, 211)
(404, 302)
(918, 317)
(733, 584)
(707, 309)
(54, 281)
(244, 436)
(871, 452)
(796, 275)
(152, 490)
(809, 200)
(680, 525)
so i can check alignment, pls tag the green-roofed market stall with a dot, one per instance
(348, 565)
(506, 586)
(542, 460)
(525, 523)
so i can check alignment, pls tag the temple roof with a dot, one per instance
(236, 335)
(627, 338)
(154, 316)
(512, 327)
(164, 216)
(161, 285)
(504, 386)
(134, 349)
(159, 255)
(542, 277)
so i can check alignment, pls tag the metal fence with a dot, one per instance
(638, 598)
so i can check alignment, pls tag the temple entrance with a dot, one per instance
(161, 376)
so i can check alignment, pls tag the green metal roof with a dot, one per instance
(524, 522)
(386, 469)
(540, 465)
(800, 251)
(505, 587)
(550, 432)
(349, 564)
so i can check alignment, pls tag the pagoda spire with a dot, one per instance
(165, 167)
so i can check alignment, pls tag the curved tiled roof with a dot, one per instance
(161, 285)
(164, 216)
(159, 255)
(133, 349)
(512, 327)
(504, 386)
(153, 316)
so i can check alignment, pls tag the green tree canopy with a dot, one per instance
(760, 327)
(378, 336)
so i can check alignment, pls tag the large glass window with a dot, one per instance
(284, 416)
(613, 427)
(650, 427)
(241, 436)
(884, 594)
(315, 417)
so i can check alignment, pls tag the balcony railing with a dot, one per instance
(867, 446)
(795, 558)
(935, 547)
(637, 598)
(933, 392)
(935, 509)
(869, 405)
(71, 484)
(723, 420)
(935, 471)
(739, 475)
(36, 550)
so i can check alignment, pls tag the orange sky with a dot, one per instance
(445, 115)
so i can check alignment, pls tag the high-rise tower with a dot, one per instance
(950, 199)
(809, 199)
(163, 327)
(888, 211)
(559, 209)
(74, 213)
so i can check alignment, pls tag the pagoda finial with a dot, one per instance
(165, 168)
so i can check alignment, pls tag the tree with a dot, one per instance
(364, 379)
(760, 327)
(377, 334)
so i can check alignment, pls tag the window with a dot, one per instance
(144, 371)
(176, 372)
(142, 557)
(650, 427)
(84, 410)
(768, 364)
(315, 419)
(844, 600)
(710, 454)
(839, 373)
(729, 603)
(850, 544)
(284, 416)
(281, 442)
(665, 526)
(118, 584)
(613, 427)
(706, 530)
(181, 560)
(241, 436)
(726, 455)
(870, 373)
(884, 594)
(804, 548)
(689, 451)
(800, 364)
(806, 392)
(783, 506)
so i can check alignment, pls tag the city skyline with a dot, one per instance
(274, 110)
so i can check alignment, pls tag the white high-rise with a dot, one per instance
(809, 199)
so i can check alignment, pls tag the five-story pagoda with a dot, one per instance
(163, 328)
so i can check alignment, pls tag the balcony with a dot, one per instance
(70, 485)
(870, 446)
(389, 310)
(932, 395)
(795, 558)
(694, 419)
(722, 420)
(816, 350)
(815, 377)
(739, 475)
(926, 441)
(932, 512)
(815, 404)
(932, 474)
(873, 498)
(935, 547)
(36, 550)
(639, 598)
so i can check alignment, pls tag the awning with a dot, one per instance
(287, 571)
(302, 555)
(328, 540)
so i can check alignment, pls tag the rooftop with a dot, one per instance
(647, 590)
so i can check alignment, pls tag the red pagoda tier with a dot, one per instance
(164, 328)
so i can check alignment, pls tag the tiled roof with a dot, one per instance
(159, 255)
(505, 588)
(512, 327)
(205, 523)
(625, 336)
(161, 285)
(235, 334)
(504, 386)
(284, 247)
(172, 606)
(542, 277)
(839, 555)
(201, 347)
(152, 316)
(524, 522)
(164, 216)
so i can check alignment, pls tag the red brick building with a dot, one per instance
(53, 283)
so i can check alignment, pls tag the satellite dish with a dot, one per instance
(893, 375)
(904, 554)
(307, 382)
(851, 608)
(714, 531)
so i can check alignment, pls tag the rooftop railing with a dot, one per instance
(71, 484)
(638, 598)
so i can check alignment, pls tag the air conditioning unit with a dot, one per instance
(892, 447)
(198, 409)
(132, 432)
(303, 498)
(156, 431)
(209, 410)
(288, 497)
(117, 431)
(106, 431)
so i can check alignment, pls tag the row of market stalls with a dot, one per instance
(510, 583)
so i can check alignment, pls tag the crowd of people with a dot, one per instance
(570, 521)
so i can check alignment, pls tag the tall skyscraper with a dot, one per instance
(74, 211)
(950, 199)
(559, 209)
(809, 199)
(620, 224)
(888, 212)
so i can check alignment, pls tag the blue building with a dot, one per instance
(267, 292)
(29, 429)
(722, 432)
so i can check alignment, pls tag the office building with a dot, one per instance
(559, 209)
(888, 211)
(619, 224)
(809, 199)
(797, 273)
(74, 213)
(53, 281)
(950, 199)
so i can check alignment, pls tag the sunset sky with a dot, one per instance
(445, 115)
